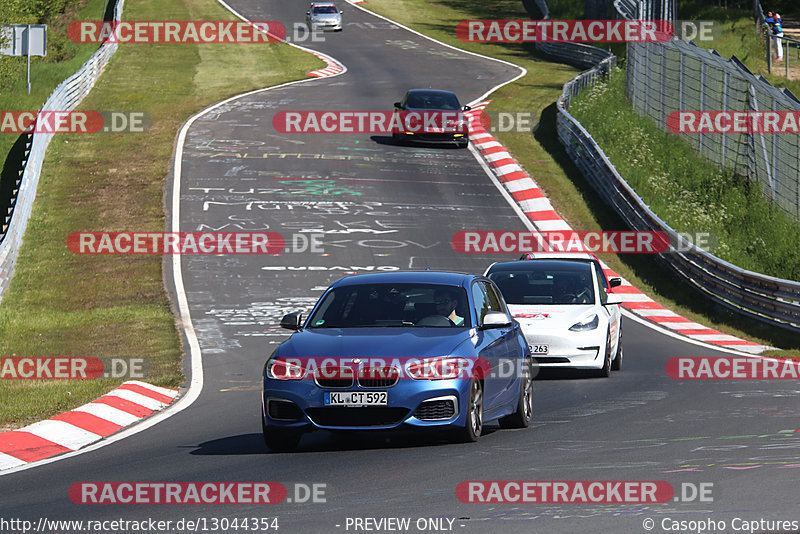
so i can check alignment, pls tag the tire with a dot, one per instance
(474, 421)
(605, 371)
(522, 417)
(464, 144)
(279, 440)
(616, 365)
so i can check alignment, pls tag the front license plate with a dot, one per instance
(540, 349)
(356, 398)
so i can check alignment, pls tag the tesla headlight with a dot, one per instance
(584, 326)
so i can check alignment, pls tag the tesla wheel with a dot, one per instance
(522, 417)
(279, 440)
(605, 371)
(463, 144)
(616, 365)
(474, 421)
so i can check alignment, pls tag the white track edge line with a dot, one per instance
(196, 384)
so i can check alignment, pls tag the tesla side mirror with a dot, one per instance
(614, 282)
(495, 319)
(398, 105)
(291, 321)
(466, 108)
(614, 299)
(308, 12)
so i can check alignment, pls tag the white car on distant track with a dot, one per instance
(564, 305)
(324, 16)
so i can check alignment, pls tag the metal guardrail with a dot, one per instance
(65, 97)
(764, 298)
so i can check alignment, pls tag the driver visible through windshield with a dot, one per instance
(392, 305)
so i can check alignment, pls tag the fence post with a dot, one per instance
(726, 107)
(702, 102)
(769, 54)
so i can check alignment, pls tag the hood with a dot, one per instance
(373, 342)
(326, 17)
(550, 317)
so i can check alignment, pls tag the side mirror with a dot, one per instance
(495, 319)
(308, 12)
(614, 299)
(291, 321)
(466, 108)
(614, 282)
(398, 105)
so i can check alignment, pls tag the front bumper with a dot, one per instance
(575, 350)
(326, 25)
(299, 405)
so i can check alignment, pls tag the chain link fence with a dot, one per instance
(662, 78)
(65, 97)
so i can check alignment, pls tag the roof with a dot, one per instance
(408, 277)
(442, 91)
(523, 265)
(558, 256)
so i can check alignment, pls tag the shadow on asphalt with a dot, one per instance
(326, 441)
(387, 140)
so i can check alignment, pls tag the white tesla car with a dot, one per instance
(564, 305)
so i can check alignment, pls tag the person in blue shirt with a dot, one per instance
(776, 25)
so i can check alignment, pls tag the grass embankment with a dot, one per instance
(542, 155)
(64, 305)
(738, 36)
(690, 193)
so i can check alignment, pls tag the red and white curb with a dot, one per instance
(533, 202)
(87, 424)
(333, 68)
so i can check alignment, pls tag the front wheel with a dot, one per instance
(605, 371)
(616, 365)
(522, 417)
(474, 420)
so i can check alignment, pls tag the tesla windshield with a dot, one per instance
(546, 282)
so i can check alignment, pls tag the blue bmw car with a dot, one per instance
(399, 349)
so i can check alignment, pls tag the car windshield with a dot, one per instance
(545, 282)
(430, 100)
(322, 10)
(392, 305)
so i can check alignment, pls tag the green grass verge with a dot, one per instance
(543, 156)
(65, 305)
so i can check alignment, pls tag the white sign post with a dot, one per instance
(24, 40)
